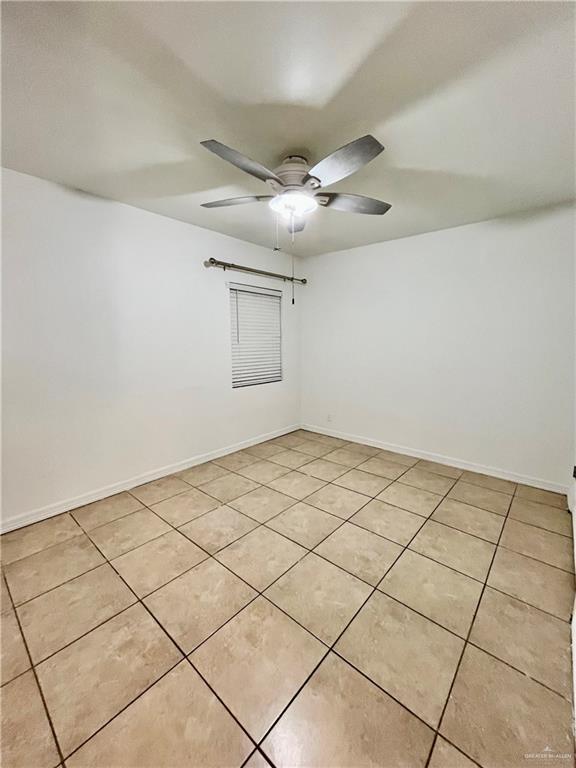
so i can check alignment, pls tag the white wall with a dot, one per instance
(457, 344)
(117, 350)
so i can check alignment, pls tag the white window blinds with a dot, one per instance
(256, 333)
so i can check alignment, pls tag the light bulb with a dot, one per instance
(290, 204)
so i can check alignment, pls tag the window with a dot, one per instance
(256, 335)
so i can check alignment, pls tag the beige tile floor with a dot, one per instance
(304, 602)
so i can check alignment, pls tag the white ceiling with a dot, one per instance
(473, 101)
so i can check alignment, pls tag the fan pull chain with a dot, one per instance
(292, 278)
(277, 236)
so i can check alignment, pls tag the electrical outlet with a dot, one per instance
(329, 418)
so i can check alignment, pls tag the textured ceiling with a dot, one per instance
(473, 101)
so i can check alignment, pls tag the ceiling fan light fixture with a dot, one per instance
(296, 186)
(293, 204)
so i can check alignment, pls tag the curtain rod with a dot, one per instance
(238, 268)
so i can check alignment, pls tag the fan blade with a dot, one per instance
(236, 201)
(240, 161)
(346, 160)
(297, 224)
(341, 201)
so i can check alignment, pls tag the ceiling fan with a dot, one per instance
(297, 187)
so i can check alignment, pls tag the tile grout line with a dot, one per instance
(261, 754)
(52, 589)
(327, 482)
(79, 637)
(466, 643)
(308, 551)
(542, 528)
(124, 708)
(167, 522)
(187, 656)
(264, 596)
(40, 691)
(331, 649)
(443, 497)
(261, 593)
(536, 560)
(349, 520)
(463, 648)
(470, 642)
(208, 555)
(423, 615)
(454, 528)
(134, 549)
(400, 704)
(260, 524)
(348, 469)
(45, 549)
(530, 605)
(147, 688)
(101, 525)
(516, 669)
(283, 574)
(313, 438)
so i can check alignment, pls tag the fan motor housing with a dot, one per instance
(292, 172)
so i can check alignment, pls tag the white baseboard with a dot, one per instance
(440, 459)
(42, 513)
(35, 515)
